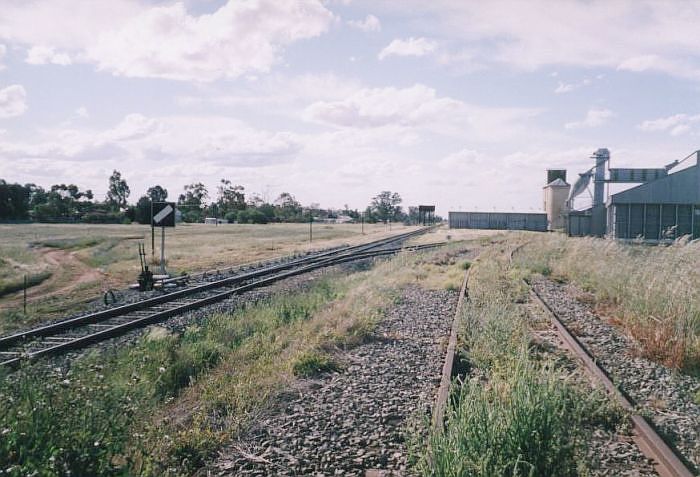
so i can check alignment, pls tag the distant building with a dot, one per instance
(662, 207)
(555, 194)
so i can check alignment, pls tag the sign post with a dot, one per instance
(163, 216)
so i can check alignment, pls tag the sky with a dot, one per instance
(458, 103)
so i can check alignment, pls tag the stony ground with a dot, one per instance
(665, 395)
(355, 422)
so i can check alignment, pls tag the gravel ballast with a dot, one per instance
(666, 396)
(355, 421)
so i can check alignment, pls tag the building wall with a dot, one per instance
(498, 221)
(651, 221)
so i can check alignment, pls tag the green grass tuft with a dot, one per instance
(312, 363)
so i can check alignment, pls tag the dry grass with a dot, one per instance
(651, 292)
(515, 413)
(110, 251)
(445, 234)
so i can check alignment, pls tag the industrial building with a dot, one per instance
(555, 192)
(663, 206)
(660, 205)
(498, 221)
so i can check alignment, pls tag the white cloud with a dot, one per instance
(410, 47)
(240, 37)
(383, 106)
(42, 55)
(369, 24)
(569, 87)
(676, 125)
(594, 118)
(407, 116)
(634, 35)
(164, 41)
(180, 139)
(82, 112)
(3, 51)
(13, 101)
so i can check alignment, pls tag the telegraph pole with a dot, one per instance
(153, 236)
(311, 222)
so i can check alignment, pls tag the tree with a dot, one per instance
(230, 198)
(64, 202)
(385, 205)
(157, 193)
(288, 208)
(193, 202)
(14, 201)
(118, 191)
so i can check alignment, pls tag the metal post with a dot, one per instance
(644, 222)
(25, 295)
(162, 250)
(661, 222)
(692, 221)
(629, 220)
(311, 233)
(675, 233)
(362, 221)
(153, 237)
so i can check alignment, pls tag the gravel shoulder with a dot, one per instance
(355, 422)
(664, 395)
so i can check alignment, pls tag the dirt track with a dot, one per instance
(68, 273)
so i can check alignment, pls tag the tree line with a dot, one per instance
(69, 203)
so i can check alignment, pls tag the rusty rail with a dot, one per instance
(448, 366)
(666, 461)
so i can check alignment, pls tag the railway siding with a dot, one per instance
(667, 397)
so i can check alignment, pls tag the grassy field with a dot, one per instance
(69, 264)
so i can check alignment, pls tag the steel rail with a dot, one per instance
(359, 252)
(448, 365)
(668, 463)
(98, 316)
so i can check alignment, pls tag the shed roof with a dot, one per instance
(682, 187)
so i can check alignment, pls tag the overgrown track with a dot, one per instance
(666, 461)
(75, 333)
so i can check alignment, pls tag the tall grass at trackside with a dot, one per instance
(653, 292)
(84, 422)
(164, 405)
(515, 414)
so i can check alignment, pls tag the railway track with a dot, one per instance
(666, 461)
(78, 332)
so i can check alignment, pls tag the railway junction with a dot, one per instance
(415, 354)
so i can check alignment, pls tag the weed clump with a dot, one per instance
(523, 422)
(312, 363)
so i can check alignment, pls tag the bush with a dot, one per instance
(251, 216)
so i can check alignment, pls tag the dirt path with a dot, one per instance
(68, 273)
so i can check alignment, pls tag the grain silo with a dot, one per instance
(556, 192)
